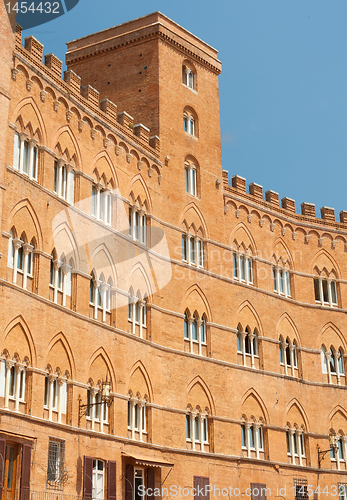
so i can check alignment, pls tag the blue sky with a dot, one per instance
(283, 86)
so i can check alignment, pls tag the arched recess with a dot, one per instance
(331, 335)
(63, 240)
(102, 262)
(139, 280)
(27, 220)
(247, 315)
(193, 215)
(102, 167)
(287, 328)
(100, 366)
(59, 354)
(323, 260)
(19, 109)
(241, 235)
(67, 139)
(251, 402)
(139, 380)
(282, 253)
(195, 299)
(17, 334)
(337, 419)
(199, 394)
(295, 414)
(138, 187)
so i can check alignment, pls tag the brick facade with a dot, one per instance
(207, 313)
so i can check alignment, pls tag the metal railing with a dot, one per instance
(38, 495)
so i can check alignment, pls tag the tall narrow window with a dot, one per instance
(184, 247)
(190, 178)
(98, 480)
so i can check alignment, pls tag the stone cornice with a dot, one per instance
(155, 31)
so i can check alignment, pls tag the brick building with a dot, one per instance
(160, 327)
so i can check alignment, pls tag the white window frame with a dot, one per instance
(296, 438)
(243, 267)
(137, 417)
(190, 173)
(255, 430)
(98, 475)
(281, 281)
(199, 421)
(331, 291)
(25, 155)
(138, 225)
(200, 322)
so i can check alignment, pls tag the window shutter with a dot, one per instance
(88, 477)
(129, 482)
(25, 476)
(262, 491)
(150, 482)
(111, 480)
(197, 485)
(205, 481)
(2, 464)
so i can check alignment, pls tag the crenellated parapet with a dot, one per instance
(73, 93)
(271, 201)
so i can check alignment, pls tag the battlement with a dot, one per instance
(255, 194)
(87, 96)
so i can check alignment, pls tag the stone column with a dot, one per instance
(291, 349)
(256, 429)
(17, 243)
(98, 200)
(104, 287)
(65, 268)
(292, 442)
(141, 405)
(337, 356)
(192, 423)
(70, 183)
(31, 169)
(133, 411)
(201, 423)
(321, 290)
(51, 379)
(93, 393)
(278, 279)
(142, 304)
(19, 369)
(328, 356)
(251, 337)
(9, 365)
(57, 264)
(199, 336)
(133, 302)
(26, 250)
(243, 336)
(60, 397)
(248, 444)
(190, 331)
(97, 283)
(329, 293)
(23, 136)
(285, 345)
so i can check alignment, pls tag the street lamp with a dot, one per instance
(334, 446)
(105, 399)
